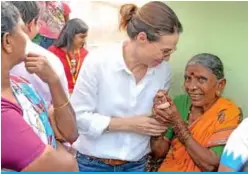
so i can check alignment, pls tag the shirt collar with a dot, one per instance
(119, 60)
(120, 64)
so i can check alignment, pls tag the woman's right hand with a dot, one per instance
(39, 65)
(147, 125)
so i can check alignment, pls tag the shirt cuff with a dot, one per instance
(98, 125)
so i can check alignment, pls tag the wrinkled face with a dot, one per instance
(202, 85)
(14, 43)
(153, 53)
(79, 40)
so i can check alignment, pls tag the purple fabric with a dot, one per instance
(20, 145)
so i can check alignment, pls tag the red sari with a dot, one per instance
(66, 59)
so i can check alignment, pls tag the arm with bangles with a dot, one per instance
(160, 145)
(60, 156)
(62, 115)
(203, 157)
(206, 158)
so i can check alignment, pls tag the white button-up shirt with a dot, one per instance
(105, 89)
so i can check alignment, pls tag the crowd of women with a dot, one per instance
(108, 110)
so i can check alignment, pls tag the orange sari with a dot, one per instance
(212, 129)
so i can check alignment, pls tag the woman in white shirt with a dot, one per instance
(113, 96)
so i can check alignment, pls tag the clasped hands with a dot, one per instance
(164, 113)
(164, 110)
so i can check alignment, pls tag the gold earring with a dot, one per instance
(218, 93)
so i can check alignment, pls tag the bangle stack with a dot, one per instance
(181, 130)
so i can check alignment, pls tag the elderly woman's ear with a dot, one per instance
(221, 86)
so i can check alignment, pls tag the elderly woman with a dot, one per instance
(200, 121)
(28, 139)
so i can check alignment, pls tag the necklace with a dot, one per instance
(74, 65)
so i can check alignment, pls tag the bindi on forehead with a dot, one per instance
(192, 73)
(197, 73)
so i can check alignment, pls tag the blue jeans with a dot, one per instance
(46, 42)
(88, 164)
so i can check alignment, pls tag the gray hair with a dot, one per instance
(209, 61)
(9, 17)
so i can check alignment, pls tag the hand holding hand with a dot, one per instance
(165, 111)
(147, 125)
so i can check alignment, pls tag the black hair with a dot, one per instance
(9, 17)
(209, 61)
(72, 27)
(29, 10)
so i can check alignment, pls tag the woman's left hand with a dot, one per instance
(167, 111)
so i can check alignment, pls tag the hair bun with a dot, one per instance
(126, 12)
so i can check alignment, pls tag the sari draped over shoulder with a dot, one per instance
(212, 129)
(34, 108)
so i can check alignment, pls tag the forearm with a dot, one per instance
(120, 124)
(95, 124)
(204, 158)
(64, 116)
(159, 147)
